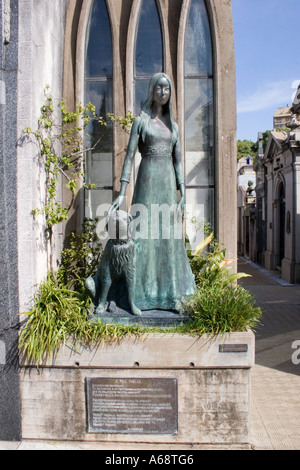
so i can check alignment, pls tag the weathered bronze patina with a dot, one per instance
(162, 272)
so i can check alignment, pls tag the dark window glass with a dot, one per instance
(99, 46)
(198, 50)
(199, 114)
(149, 50)
(98, 91)
(100, 94)
(199, 119)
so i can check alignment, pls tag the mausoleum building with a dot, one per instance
(104, 52)
(278, 203)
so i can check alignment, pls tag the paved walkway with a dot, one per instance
(275, 406)
(275, 403)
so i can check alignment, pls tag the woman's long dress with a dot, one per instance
(163, 274)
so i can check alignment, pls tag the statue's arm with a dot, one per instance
(127, 166)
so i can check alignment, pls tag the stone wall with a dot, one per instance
(40, 50)
(213, 376)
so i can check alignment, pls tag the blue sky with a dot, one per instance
(266, 36)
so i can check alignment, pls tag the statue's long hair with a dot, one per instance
(146, 111)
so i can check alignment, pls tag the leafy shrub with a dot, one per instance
(219, 305)
(59, 317)
(81, 258)
(217, 309)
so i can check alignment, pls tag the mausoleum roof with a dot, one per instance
(296, 102)
(285, 111)
(280, 136)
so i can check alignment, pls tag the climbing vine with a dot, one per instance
(60, 137)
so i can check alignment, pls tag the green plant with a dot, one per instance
(210, 266)
(59, 317)
(59, 139)
(219, 305)
(246, 148)
(124, 122)
(81, 258)
(45, 330)
(217, 309)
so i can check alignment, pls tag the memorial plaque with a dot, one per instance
(132, 406)
(233, 348)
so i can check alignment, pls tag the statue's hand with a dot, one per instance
(115, 205)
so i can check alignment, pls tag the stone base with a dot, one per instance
(270, 260)
(10, 412)
(151, 318)
(290, 271)
(213, 390)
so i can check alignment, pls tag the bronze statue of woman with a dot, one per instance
(163, 275)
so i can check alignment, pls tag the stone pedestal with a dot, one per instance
(207, 404)
(149, 318)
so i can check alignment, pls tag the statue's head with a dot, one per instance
(161, 79)
(119, 226)
(158, 79)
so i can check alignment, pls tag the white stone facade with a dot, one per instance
(281, 195)
(41, 50)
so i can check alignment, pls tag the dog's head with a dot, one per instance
(119, 226)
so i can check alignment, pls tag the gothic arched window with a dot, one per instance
(199, 112)
(148, 50)
(98, 91)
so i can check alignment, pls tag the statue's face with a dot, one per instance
(161, 94)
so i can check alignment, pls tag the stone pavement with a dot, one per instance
(275, 401)
(275, 405)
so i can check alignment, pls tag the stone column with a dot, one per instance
(297, 220)
(288, 263)
(10, 424)
(269, 254)
(225, 122)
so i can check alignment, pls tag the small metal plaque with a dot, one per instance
(233, 348)
(132, 406)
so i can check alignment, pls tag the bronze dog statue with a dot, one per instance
(117, 262)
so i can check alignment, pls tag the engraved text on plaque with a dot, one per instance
(136, 406)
